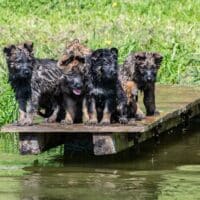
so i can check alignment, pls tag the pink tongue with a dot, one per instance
(76, 91)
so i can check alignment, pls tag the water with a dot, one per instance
(168, 171)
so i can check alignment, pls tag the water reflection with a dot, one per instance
(89, 185)
(168, 171)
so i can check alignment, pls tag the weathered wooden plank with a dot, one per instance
(78, 128)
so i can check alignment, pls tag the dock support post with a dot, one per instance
(35, 143)
(110, 143)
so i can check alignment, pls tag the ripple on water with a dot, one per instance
(191, 168)
(183, 183)
(12, 171)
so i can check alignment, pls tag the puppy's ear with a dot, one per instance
(96, 54)
(29, 46)
(65, 60)
(98, 71)
(158, 59)
(114, 51)
(140, 56)
(75, 41)
(8, 50)
(80, 59)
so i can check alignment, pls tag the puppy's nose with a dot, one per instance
(26, 72)
(149, 78)
(77, 84)
(113, 72)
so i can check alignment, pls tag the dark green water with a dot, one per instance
(168, 171)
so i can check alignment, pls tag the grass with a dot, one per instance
(166, 26)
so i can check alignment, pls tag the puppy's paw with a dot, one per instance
(156, 113)
(92, 122)
(15, 123)
(68, 122)
(105, 122)
(50, 120)
(123, 120)
(140, 116)
(25, 122)
(85, 120)
(132, 121)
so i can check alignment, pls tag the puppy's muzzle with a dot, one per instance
(77, 86)
(149, 77)
(26, 72)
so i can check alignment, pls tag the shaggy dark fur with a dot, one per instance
(142, 68)
(74, 64)
(36, 82)
(105, 94)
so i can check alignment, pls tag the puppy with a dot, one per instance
(33, 80)
(73, 63)
(105, 94)
(142, 68)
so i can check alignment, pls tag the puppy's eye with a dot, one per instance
(153, 67)
(155, 70)
(30, 60)
(12, 64)
(99, 68)
(69, 79)
(17, 66)
(18, 61)
(106, 61)
(142, 71)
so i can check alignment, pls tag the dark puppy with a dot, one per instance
(73, 64)
(33, 80)
(105, 94)
(73, 94)
(142, 68)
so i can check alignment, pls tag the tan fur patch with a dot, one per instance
(130, 88)
(85, 112)
(22, 115)
(106, 115)
(74, 50)
(68, 118)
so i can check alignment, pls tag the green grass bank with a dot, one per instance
(171, 27)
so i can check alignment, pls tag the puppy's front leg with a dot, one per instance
(122, 102)
(92, 112)
(85, 117)
(139, 113)
(31, 108)
(149, 100)
(106, 114)
(68, 118)
(22, 111)
(70, 109)
(54, 115)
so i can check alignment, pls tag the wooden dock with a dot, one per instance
(176, 104)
